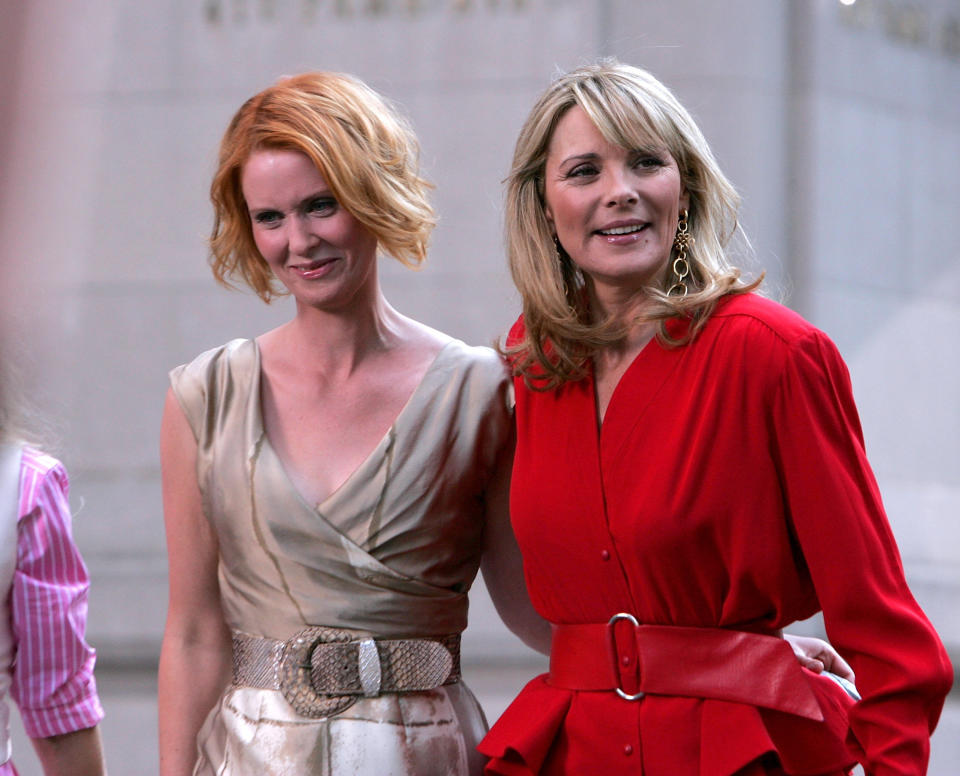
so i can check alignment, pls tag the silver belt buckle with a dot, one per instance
(323, 671)
(613, 651)
(296, 673)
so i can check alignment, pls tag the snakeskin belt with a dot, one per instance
(322, 671)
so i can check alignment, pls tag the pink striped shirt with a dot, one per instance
(53, 683)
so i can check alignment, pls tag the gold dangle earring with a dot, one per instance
(557, 249)
(561, 255)
(681, 267)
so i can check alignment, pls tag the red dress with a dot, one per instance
(728, 487)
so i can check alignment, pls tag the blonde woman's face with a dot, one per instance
(614, 210)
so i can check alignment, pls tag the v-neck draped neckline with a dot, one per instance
(652, 352)
(260, 429)
(637, 388)
(396, 547)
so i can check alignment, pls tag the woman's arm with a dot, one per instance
(53, 680)
(72, 754)
(836, 511)
(195, 657)
(502, 564)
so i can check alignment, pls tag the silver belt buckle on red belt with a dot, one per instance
(613, 651)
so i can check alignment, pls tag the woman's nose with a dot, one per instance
(619, 189)
(300, 236)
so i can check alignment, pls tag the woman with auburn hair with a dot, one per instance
(329, 486)
(689, 476)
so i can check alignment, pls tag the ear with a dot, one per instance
(684, 199)
(548, 214)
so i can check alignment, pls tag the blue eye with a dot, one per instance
(321, 206)
(648, 161)
(268, 217)
(582, 171)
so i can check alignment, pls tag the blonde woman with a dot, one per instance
(689, 478)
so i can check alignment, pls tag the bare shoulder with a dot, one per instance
(422, 338)
(425, 345)
(415, 346)
(274, 340)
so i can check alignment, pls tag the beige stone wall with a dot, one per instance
(877, 163)
(840, 129)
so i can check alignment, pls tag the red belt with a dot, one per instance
(729, 665)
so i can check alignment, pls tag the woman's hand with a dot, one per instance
(817, 655)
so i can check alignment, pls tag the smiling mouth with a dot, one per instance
(618, 230)
(310, 266)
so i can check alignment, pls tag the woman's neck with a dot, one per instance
(625, 307)
(336, 342)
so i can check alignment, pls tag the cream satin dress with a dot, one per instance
(391, 553)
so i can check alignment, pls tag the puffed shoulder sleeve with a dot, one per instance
(491, 394)
(835, 509)
(198, 383)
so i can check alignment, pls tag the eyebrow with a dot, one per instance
(321, 194)
(305, 202)
(580, 157)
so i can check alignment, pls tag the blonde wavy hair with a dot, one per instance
(631, 109)
(365, 150)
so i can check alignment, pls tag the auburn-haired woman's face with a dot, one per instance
(316, 248)
(614, 210)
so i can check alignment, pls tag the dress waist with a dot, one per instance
(633, 660)
(323, 671)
